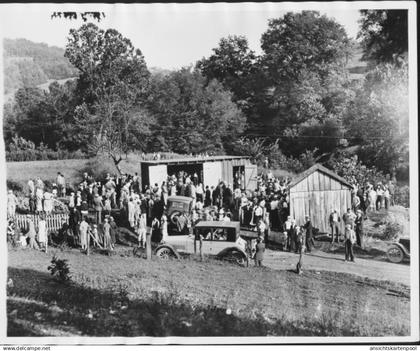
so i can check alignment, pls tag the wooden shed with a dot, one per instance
(316, 192)
(210, 170)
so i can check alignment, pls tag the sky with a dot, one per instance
(170, 36)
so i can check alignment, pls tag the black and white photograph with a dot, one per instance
(209, 173)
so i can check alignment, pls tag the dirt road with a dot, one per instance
(319, 260)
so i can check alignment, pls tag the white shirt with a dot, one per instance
(258, 211)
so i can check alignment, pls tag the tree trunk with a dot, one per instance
(117, 163)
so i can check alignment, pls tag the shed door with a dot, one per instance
(251, 177)
(212, 173)
(157, 174)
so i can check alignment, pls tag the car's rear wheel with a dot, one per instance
(165, 253)
(395, 254)
(235, 257)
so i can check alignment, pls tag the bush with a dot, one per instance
(40, 155)
(402, 196)
(352, 170)
(395, 227)
(60, 270)
(15, 186)
(98, 168)
(21, 149)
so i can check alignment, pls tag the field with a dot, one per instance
(126, 295)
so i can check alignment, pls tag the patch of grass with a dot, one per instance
(127, 295)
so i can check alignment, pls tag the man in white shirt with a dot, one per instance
(334, 225)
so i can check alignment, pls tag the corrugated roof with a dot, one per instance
(194, 160)
(322, 169)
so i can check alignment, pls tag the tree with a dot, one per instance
(304, 57)
(378, 117)
(233, 64)
(112, 86)
(192, 115)
(83, 15)
(384, 35)
(303, 41)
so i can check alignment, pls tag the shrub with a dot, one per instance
(21, 149)
(351, 169)
(396, 225)
(15, 186)
(60, 270)
(98, 168)
(402, 196)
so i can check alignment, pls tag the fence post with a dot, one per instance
(88, 243)
(201, 247)
(148, 245)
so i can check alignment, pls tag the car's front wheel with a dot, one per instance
(395, 254)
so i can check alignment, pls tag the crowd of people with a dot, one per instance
(93, 204)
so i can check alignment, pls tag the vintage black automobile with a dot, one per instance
(178, 211)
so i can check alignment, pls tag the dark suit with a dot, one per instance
(207, 199)
(359, 230)
(309, 236)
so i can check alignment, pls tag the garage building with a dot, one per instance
(210, 170)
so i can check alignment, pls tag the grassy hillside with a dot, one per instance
(123, 295)
(28, 64)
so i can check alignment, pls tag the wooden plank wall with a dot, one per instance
(316, 196)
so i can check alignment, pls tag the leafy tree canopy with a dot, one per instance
(384, 34)
(303, 41)
(193, 116)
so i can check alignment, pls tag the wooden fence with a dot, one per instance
(54, 221)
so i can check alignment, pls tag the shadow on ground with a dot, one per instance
(37, 305)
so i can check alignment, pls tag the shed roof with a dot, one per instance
(192, 160)
(217, 224)
(322, 169)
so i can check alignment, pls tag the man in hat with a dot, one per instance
(349, 218)
(359, 228)
(334, 221)
(286, 229)
(308, 234)
(350, 239)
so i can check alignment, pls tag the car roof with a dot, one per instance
(180, 198)
(217, 224)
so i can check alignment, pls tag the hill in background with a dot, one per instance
(28, 64)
